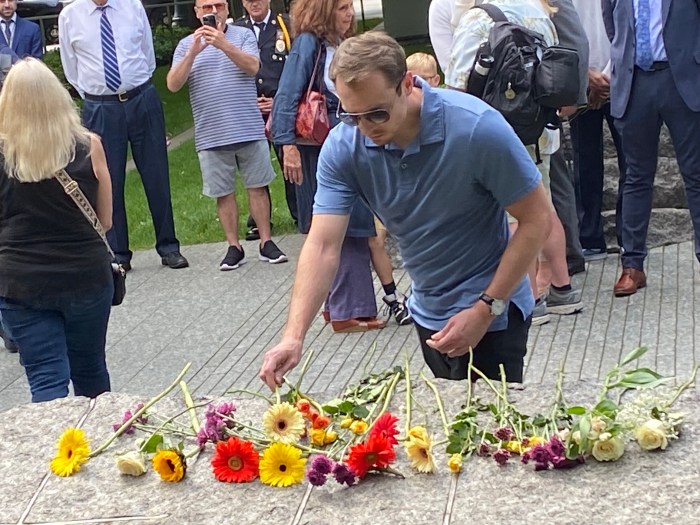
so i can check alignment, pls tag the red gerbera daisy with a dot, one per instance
(376, 452)
(235, 461)
(385, 426)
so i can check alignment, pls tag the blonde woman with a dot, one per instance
(55, 278)
(472, 27)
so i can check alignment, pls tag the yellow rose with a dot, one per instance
(609, 449)
(455, 463)
(651, 435)
(318, 437)
(513, 446)
(131, 464)
(331, 437)
(358, 427)
(346, 422)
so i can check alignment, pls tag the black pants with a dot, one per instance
(507, 347)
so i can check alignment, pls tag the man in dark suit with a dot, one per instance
(655, 76)
(273, 33)
(22, 36)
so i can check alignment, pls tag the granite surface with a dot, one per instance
(641, 488)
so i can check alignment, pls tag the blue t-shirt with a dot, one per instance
(224, 98)
(442, 198)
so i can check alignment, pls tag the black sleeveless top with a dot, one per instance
(47, 246)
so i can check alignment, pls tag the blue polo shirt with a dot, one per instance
(442, 198)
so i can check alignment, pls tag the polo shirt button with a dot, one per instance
(404, 166)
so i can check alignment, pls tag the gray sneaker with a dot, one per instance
(539, 313)
(564, 303)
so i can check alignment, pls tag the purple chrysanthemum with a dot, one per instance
(343, 474)
(504, 434)
(322, 464)
(484, 450)
(540, 454)
(316, 478)
(555, 447)
(501, 456)
(128, 414)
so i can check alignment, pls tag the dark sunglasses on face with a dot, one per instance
(373, 116)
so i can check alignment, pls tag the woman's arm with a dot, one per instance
(103, 209)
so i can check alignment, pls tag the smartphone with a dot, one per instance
(209, 20)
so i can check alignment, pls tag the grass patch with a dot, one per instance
(176, 106)
(196, 221)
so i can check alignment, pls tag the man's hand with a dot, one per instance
(214, 36)
(567, 111)
(279, 360)
(198, 42)
(598, 88)
(265, 105)
(463, 331)
(292, 164)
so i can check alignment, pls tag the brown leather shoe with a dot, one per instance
(630, 281)
(357, 325)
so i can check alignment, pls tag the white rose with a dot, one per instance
(651, 435)
(604, 436)
(564, 434)
(131, 463)
(609, 449)
(597, 424)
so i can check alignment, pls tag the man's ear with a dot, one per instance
(407, 82)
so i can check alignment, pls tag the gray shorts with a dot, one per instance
(219, 166)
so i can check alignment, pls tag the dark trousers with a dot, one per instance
(654, 100)
(507, 347)
(352, 292)
(587, 142)
(289, 194)
(561, 182)
(139, 122)
(61, 339)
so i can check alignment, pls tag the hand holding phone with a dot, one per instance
(209, 20)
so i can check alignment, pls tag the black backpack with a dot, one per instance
(525, 80)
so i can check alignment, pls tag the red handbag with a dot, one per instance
(312, 123)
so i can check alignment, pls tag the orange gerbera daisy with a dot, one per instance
(235, 461)
(385, 426)
(376, 452)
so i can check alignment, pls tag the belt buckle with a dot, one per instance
(123, 97)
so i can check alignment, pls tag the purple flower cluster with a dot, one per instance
(501, 456)
(552, 453)
(504, 434)
(484, 450)
(321, 466)
(217, 418)
(142, 419)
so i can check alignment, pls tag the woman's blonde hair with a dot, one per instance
(39, 123)
(317, 17)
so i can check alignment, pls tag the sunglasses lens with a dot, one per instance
(378, 117)
(350, 120)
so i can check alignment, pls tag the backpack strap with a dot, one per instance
(494, 12)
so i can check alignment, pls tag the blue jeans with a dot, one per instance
(61, 339)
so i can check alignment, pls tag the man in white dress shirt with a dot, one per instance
(107, 55)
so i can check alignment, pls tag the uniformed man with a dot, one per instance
(273, 33)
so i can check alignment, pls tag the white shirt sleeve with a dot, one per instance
(68, 58)
(440, 29)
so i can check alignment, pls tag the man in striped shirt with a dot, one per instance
(219, 65)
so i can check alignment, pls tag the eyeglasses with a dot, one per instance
(373, 116)
(208, 8)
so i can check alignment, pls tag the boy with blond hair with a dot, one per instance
(425, 66)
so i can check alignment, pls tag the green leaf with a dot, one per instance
(584, 427)
(346, 407)
(332, 407)
(607, 408)
(634, 354)
(576, 411)
(360, 412)
(454, 448)
(152, 444)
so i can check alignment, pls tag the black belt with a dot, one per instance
(656, 66)
(119, 97)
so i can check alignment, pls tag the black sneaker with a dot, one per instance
(396, 307)
(272, 254)
(252, 235)
(234, 258)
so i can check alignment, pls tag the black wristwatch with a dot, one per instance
(496, 306)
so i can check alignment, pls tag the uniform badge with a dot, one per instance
(280, 46)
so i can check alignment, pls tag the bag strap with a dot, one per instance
(315, 71)
(74, 192)
(494, 12)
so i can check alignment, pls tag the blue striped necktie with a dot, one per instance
(109, 52)
(644, 57)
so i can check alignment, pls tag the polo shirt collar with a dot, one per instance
(432, 120)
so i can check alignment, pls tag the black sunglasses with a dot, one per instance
(373, 116)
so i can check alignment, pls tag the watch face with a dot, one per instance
(498, 307)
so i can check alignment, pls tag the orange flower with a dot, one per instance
(235, 461)
(303, 406)
(376, 452)
(311, 415)
(321, 422)
(385, 426)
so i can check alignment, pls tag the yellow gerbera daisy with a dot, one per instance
(419, 450)
(282, 465)
(455, 463)
(73, 451)
(318, 437)
(170, 465)
(358, 427)
(283, 422)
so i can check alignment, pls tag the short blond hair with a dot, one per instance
(422, 63)
(370, 52)
(39, 123)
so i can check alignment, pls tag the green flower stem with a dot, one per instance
(241, 424)
(353, 438)
(166, 423)
(151, 428)
(389, 470)
(489, 383)
(387, 399)
(682, 387)
(301, 395)
(440, 406)
(190, 406)
(312, 450)
(138, 413)
(278, 398)
(249, 392)
(408, 395)
(304, 368)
